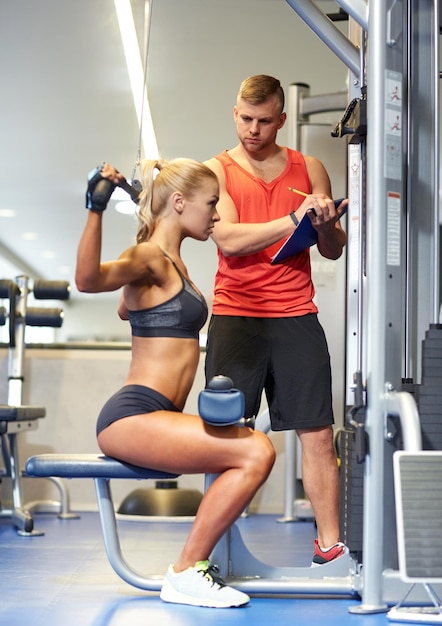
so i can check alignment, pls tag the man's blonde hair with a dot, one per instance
(258, 89)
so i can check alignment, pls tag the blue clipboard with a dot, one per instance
(304, 236)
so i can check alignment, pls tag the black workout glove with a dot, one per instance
(99, 190)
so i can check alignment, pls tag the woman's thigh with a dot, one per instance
(180, 443)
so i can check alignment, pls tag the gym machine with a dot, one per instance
(16, 417)
(393, 257)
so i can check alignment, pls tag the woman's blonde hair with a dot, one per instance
(159, 180)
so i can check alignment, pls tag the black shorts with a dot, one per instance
(288, 358)
(132, 400)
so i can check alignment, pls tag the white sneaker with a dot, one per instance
(197, 586)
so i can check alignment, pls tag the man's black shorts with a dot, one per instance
(288, 358)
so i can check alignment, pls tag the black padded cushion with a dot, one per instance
(20, 413)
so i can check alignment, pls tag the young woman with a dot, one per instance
(144, 423)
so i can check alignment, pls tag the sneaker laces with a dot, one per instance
(211, 573)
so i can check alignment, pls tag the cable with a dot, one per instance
(148, 24)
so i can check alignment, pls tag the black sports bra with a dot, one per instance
(182, 316)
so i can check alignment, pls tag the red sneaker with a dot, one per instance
(321, 556)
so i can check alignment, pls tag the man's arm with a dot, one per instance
(236, 239)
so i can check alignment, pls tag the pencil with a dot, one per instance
(301, 193)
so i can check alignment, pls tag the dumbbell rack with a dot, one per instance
(15, 417)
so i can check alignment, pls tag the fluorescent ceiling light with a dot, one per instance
(119, 194)
(136, 76)
(128, 207)
(7, 213)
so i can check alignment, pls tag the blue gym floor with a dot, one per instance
(64, 579)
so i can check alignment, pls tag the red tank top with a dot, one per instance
(249, 285)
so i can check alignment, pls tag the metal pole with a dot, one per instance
(16, 352)
(376, 315)
(357, 9)
(327, 31)
(436, 150)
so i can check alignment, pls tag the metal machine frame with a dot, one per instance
(393, 238)
(15, 417)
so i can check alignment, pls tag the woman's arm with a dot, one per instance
(91, 274)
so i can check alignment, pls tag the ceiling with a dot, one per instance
(66, 106)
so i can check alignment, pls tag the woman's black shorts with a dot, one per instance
(132, 400)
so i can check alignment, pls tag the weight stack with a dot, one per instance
(428, 397)
(429, 392)
(351, 494)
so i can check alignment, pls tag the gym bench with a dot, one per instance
(220, 404)
(236, 563)
(101, 469)
(13, 421)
